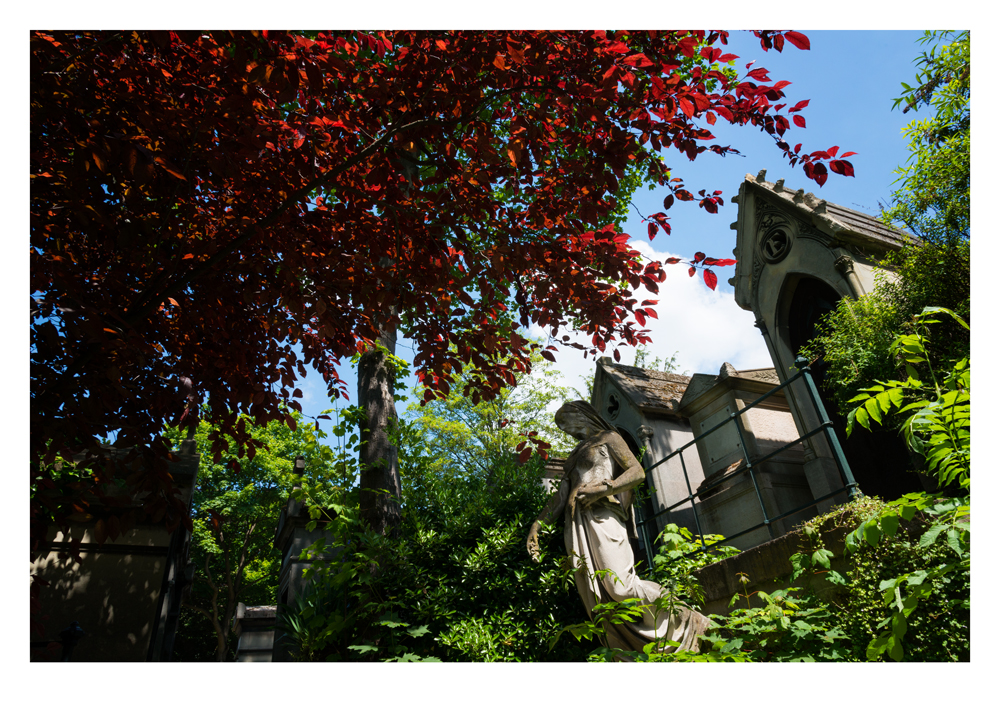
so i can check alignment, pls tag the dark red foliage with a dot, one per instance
(203, 204)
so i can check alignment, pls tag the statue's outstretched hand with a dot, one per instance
(533, 543)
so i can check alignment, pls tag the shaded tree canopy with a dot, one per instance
(213, 212)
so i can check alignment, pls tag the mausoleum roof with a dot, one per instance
(832, 217)
(651, 391)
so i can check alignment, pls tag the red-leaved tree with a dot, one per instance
(213, 212)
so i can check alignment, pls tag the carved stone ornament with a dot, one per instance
(776, 245)
(614, 405)
(844, 264)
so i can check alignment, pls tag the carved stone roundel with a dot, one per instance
(776, 245)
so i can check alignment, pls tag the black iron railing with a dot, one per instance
(750, 467)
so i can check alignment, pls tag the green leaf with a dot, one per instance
(899, 625)
(930, 535)
(952, 539)
(895, 648)
(835, 578)
(862, 417)
(876, 647)
(822, 557)
(363, 648)
(889, 524)
(872, 532)
(872, 407)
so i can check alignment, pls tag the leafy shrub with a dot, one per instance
(855, 338)
(457, 584)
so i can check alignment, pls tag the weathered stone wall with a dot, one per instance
(768, 568)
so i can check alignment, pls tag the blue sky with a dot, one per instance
(850, 79)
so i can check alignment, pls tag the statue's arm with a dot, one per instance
(554, 507)
(632, 477)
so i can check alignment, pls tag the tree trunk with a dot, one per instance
(379, 457)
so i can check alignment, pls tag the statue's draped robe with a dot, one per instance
(596, 539)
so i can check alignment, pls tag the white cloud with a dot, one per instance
(706, 328)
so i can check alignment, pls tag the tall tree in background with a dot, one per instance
(472, 438)
(227, 208)
(933, 197)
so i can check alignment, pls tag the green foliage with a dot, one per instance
(463, 436)
(235, 510)
(664, 364)
(937, 425)
(937, 414)
(933, 196)
(679, 555)
(457, 585)
(856, 338)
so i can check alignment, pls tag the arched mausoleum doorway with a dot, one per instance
(879, 459)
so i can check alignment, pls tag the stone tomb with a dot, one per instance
(730, 503)
(125, 594)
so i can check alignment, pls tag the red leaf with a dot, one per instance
(618, 356)
(759, 74)
(638, 60)
(668, 201)
(672, 260)
(651, 229)
(641, 317)
(683, 194)
(687, 107)
(832, 151)
(691, 272)
(524, 455)
(711, 279)
(799, 40)
(699, 256)
(651, 312)
(798, 106)
(724, 262)
(548, 356)
(839, 166)
(819, 174)
(781, 84)
(845, 155)
(710, 117)
(799, 120)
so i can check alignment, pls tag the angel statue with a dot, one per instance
(595, 496)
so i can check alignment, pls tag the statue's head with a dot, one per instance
(580, 420)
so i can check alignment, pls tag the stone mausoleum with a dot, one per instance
(797, 257)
